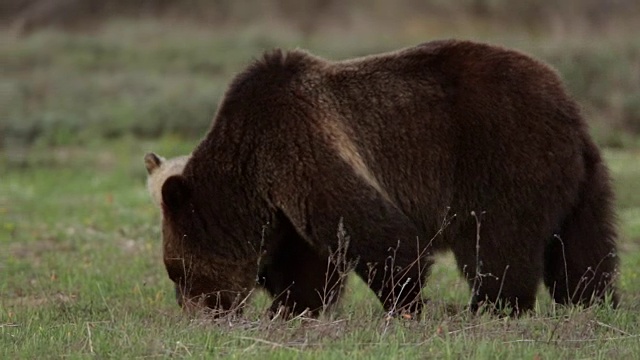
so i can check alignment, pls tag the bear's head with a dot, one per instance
(205, 249)
(158, 170)
(188, 261)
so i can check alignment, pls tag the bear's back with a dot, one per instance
(439, 125)
(451, 123)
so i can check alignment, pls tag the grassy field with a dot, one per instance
(80, 259)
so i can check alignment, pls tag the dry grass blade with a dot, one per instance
(267, 342)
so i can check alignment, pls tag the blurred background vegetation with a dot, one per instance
(77, 71)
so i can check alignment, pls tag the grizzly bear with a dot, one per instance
(447, 145)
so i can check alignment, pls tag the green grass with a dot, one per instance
(81, 273)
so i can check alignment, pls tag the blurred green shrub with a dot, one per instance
(631, 112)
(77, 109)
(61, 89)
(605, 78)
(134, 79)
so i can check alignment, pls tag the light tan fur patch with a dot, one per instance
(347, 150)
(158, 170)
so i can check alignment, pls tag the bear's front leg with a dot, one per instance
(398, 279)
(299, 279)
(389, 253)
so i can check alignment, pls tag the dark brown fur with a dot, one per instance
(393, 145)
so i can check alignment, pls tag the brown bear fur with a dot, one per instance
(448, 145)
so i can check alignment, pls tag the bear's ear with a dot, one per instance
(176, 193)
(152, 162)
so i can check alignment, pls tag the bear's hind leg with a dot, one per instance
(501, 273)
(580, 262)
